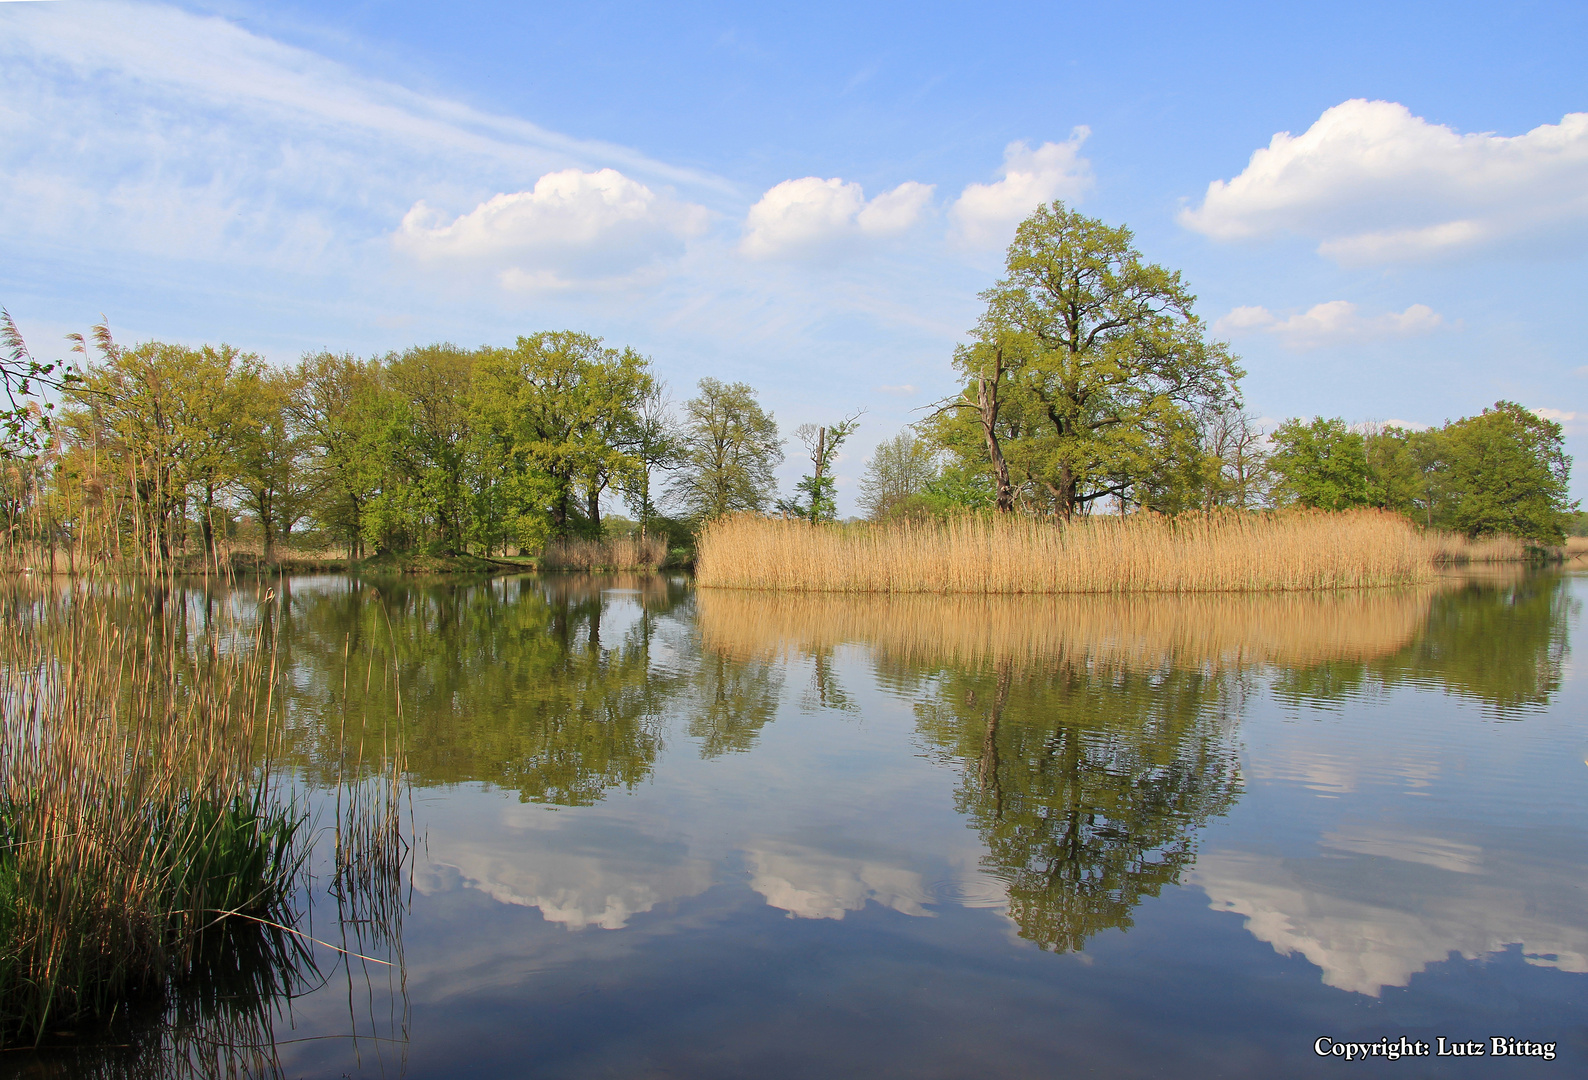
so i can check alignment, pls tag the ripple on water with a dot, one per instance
(977, 891)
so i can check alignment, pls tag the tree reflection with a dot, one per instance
(734, 699)
(524, 683)
(1088, 788)
(1503, 643)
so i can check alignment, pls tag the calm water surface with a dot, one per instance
(662, 832)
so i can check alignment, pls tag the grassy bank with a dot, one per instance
(1140, 553)
(141, 839)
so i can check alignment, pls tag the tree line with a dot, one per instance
(1087, 385)
(437, 447)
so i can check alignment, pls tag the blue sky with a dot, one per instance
(808, 199)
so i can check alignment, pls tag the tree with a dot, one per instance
(336, 405)
(1322, 464)
(1086, 364)
(656, 444)
(900, 470)
(1509, 473)
(25, 423)
(161, 419)
(427, 436)
(270, 477)
(730, 449)
(563, 413)
(821, 444)
(219, 405)
(1237, 463)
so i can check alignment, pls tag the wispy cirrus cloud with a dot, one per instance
(181, 136)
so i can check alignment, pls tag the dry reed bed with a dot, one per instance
(1140, 553)
(624, 553)
(1137, 633)
(1454, 549)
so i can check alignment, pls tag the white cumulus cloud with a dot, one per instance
(1372, 183)
(571, 224)
(985, 215)
(1337, 322)
(811, 215)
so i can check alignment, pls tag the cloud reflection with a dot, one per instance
(812, 884)
(1380, 908)
(578, 873)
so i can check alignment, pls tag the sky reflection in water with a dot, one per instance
(722, 834)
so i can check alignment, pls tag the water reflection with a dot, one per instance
(624, 783)
(1500, 640)
(543, 686)
(1088, 792)
(1377, 909)
(579, 873)
(815, 882)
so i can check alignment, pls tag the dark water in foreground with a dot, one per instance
(662, 833)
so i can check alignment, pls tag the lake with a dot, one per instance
(666, 832)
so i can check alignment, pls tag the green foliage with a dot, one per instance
(818, 486)
(561, 417)
(1085, 371)
(336, 405)
(730, 447)
(25, 423)
(1509, 474)
(1504, 471)
(898, 475)
(1322, 465)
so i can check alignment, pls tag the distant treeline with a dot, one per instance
(1088, 385)
(1502, 472)
(438, 447)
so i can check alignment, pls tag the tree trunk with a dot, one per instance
(1066, 492)
(819, 460)
(987, 406)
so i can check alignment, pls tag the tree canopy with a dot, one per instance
(1087, 370)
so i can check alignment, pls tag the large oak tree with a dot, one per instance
(1086, 367)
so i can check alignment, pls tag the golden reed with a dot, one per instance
(1133, 633)
(1231, 552)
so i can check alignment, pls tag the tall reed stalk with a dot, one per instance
(143, 833)
(1233, 552)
